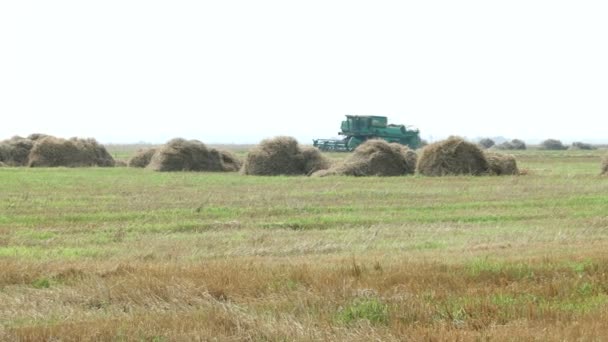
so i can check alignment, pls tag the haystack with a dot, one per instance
(97, 152)
(552, 144)
(377, 158)
(142, 157)
(453, 156)
(230, 162)
(191, 155)
(15, 151)
(51, 152)
(283, 156)
(501, 164)
(314, 160)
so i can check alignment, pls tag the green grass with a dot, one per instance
(467, 253)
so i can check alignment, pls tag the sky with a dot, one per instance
(240, 71)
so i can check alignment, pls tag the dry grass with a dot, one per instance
(336, 299)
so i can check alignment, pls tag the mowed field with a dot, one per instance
(133, 255)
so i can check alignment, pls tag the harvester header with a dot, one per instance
(358, 128)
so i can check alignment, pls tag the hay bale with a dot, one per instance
(190, 155)
(15, 151)
(90, 148)
(142, 157)
(577, 145)
(184, 155)
(377, 158)
(501, 164)
(283, 156)
(486, 143)
(314, 160)
(230, 162)
(552, 144)
(52, 152)
(452, 156)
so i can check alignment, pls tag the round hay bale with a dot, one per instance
(188, 155)
(52, 152)
(552, 144)
(378, 158)
(15, 151)
(283, 156)
(453, 156)
(142, 157)
(230, 162)
(486, 143)
(501, 164)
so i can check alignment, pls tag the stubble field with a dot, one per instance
(130, 254)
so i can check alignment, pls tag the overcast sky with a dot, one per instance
(239, 71)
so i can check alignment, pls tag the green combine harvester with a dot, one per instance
(358, 128)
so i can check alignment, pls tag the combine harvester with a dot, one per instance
(359, 128)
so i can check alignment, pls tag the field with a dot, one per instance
(132, 255)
